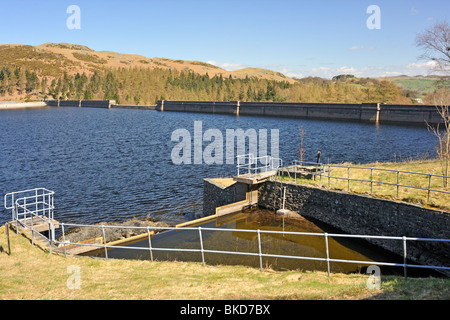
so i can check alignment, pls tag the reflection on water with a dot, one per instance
(242, 241)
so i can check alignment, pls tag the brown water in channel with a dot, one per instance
(240, 241)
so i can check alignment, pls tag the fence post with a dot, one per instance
(429, 187)
(404, 258)
(150, 244)
(259, 248)
(371, 181)
(51, 233)
(398, 181)
(201, 245)
(104, 242)
(16, 206)
(348, 179)
(329, 176)
(322, 168)
(64, 239)
(32, 229)
(328, 254)
(7, 237)
(295, 171)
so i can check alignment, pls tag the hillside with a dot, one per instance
(72, 71)
(420, 84)
(53, 59)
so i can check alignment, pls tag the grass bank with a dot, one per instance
(30, 273)
(434, 200)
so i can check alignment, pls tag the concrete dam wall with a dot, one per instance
(365, 112)
(81, 103)
(95, 104)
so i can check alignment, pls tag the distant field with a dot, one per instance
(421, 85)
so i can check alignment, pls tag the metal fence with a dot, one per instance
(30, 208)
(323, 172)
(42, 202)
(254, 166)
(260, 254)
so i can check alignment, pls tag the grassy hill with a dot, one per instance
(53, 59)
(421, 84)
(73, 71)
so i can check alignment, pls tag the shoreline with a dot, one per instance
(22, 105)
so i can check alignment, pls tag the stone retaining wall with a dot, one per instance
(365, 215)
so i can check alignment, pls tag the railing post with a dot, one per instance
(398, 181)
(64, 239)
(259, 249)
(16, 206)
(36, 201)
(404, 258)
(329, 176)
(322, 168)
(150, 244)
(7, 237)
(104, 242)
(201, 245)
(32, 230)
(328, 254)
(51, 234)
(348, 179)
(429, 187)
(371, 181)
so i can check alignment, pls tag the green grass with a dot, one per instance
(417, 196)
(421, 85)
(30, 273)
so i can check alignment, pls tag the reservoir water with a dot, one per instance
(295, 243)
(115, 164)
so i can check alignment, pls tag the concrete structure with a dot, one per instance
(365, 112)
(223, 192)
(81, 103)
(351, 213)
(95, 104)
(365, 215)
(22, 105)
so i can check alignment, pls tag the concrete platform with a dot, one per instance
(39, 225)
(252, 179)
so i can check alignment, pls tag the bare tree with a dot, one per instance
(441, 99)
(435, 41)
(302, 147)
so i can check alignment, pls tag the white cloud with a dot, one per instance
(328, 71)
(422, 65)
(414, 11)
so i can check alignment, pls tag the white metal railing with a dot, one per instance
(254, 166)
(30, 208)
(42, 202)
(323, 171)
(150, 249)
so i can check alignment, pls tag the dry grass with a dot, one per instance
(417, 196)
(30, 273)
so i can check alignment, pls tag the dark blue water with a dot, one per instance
(115, 164)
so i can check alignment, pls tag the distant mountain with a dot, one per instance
(53, 59)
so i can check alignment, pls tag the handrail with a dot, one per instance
(53, 241)
(322, 174)
(251, 164)
(260, 254)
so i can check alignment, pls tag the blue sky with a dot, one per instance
(298, 38)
